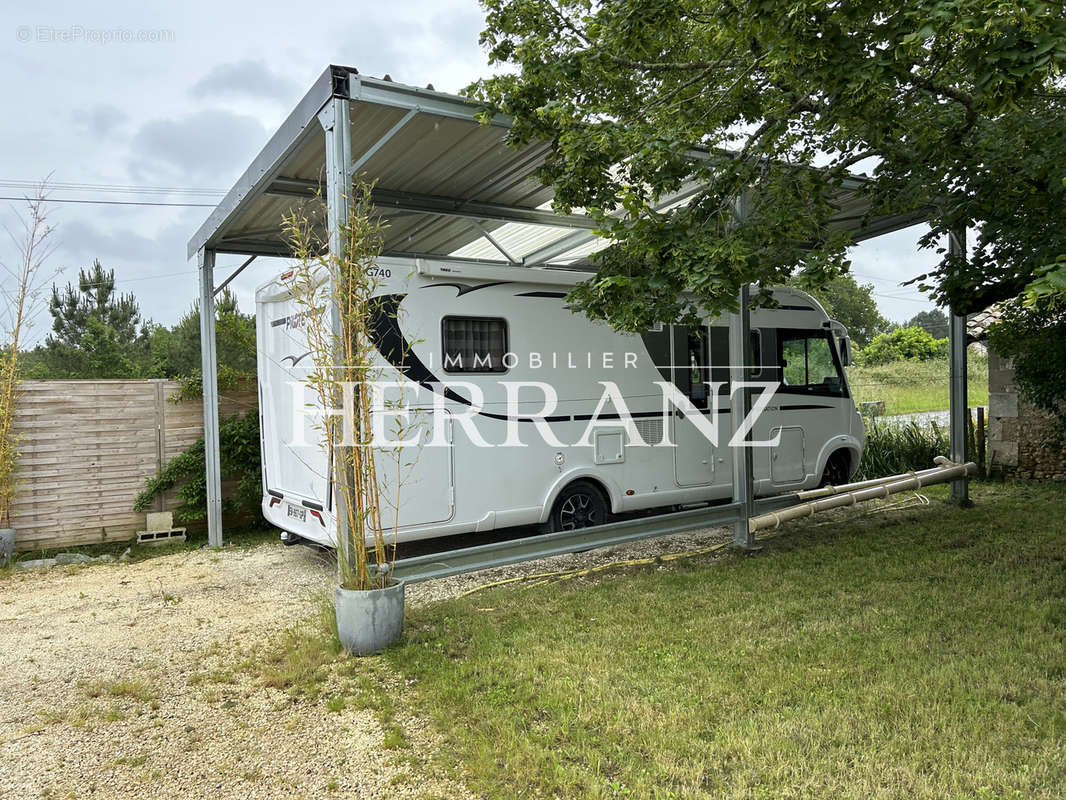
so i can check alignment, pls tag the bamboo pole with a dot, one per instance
(825, 491)
(945, 472)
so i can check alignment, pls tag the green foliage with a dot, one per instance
(902, 344)
(94, 299)
(9, 381)
(234, 345)
(1033, 334)
(893, 447)
(935, 322)
(240, 460)
(178, 352)
(96, 336)
(953, 105)
(342, 358)
(852, 304)
(95, 332)
(22, 289)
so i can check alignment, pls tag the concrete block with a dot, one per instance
(72, 558)
(1002, 404)
(160, 521)
(37, 563)
(1005, 454)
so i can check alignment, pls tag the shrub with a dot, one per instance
(902, 344)
(892, 448)
(240, 459)
(1033, 334)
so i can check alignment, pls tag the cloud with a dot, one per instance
(206, 147)
(101, 120)
(79, 243)
(247, 78)
(437, 46)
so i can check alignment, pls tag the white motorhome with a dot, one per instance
(449, 330)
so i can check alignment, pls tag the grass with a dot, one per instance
(307, 660)
(913, 386)
(893, 447)
(299, 662)
(900, 654)
(127, 687)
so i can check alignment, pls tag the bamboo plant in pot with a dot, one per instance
(8, 449)
(34, 245)
(335, 292)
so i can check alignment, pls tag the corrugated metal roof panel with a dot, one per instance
(441, 153)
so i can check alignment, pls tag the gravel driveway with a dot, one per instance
(99, 697)
(104, 693)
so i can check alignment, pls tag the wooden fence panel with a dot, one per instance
(86, 449)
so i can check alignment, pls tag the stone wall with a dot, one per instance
(1016, 430)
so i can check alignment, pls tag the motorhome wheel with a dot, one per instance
(581, 505)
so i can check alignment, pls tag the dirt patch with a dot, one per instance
(117, 684)
(125, 680)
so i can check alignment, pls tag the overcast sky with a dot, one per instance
(184, 96)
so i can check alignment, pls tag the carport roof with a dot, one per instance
(447, 184)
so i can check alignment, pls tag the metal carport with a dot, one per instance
(448, 185)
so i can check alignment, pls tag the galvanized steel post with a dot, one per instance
(740, 401)
(740, 405)
(335, 121)
(209, 379)
(957, 400)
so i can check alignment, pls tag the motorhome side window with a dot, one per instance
(474, 344)
(809, 364)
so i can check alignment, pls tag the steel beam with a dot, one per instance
(369, 154)
(959, 410)
(259, 247)
(442, 205)
(376, 91)
(574, 240)
(209, 380)
(336, 124)
(484, 233)
(234, 274)
(514, 551)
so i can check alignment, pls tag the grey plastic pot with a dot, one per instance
(7, 544)
(369, 620)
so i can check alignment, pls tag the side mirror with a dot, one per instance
(845, 351)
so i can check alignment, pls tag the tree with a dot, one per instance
(934, 322)
(94, 298)
(1033, 334)
(957, 107)
(853, 305)
(176, 353)
(902, 344)
(21, 291)
(95, 331)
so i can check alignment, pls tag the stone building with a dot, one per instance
(1017, 430)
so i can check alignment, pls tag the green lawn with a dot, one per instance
(903, 654)
(910, 386)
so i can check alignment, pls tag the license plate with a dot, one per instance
(297, 512)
